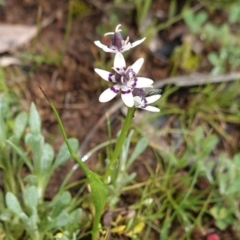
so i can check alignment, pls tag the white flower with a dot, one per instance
(140, 101)
(117, 42)
(123, 79)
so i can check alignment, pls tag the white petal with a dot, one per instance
(137, 101)
(143, 82)
(108, 76)
(119, 61)
(151, 109)
(128, 99)
(152, 98)
(107, 95)
(137, 65)
(104, 47)
(99, 44)
(134, 44)
(126, 48)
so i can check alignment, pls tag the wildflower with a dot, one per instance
(123, 79)
(117, 42)
(141, 100)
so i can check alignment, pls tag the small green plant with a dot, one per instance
(226, 211)
(26, 212)
(227, 57)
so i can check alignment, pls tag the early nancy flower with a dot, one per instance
(117, 42)
(141, 100)
(124, 79)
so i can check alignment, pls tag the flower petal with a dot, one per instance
(151, 109)
(104, 47)
(143, 82)
(107, 95)
(153, 98)
(137, 101)
(108, 76)
(127, 98)
(119, 61)
(134, 44)
(137, 65)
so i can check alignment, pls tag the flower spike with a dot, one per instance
(123, 79)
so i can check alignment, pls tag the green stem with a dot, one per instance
(72, 153)
(98, 188)
(119, 144)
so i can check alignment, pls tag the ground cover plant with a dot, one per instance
(81, 158)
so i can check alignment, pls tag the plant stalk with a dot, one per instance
(119, 144)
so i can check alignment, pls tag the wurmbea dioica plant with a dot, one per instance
(124, 79)
(133, 91)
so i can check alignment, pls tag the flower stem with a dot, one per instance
(119, 144)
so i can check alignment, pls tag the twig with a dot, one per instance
(197, 79)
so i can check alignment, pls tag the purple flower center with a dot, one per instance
(117, 41)
(122, 76)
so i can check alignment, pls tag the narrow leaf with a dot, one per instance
(140, 147)
(46, 158)
(22, 154)
(20, 124)
(31, 197)
(34, 120)
(64, 153)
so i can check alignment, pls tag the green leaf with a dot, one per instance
(234, 187)
(31, 180)
(60, 202)
(236, 160)
(62, 219)
(20, 124)
(31, 197)
(46, 158)
(13, 203)
(223, 182)
(140, 148)
(222, 225)
(26, 220)
(234, 13)
(75, 215)
(201, 18)
(64, 238)
(36, 144)
(125, 150)
(22, 154)
(209, 143)
(194, 21)
(214, 58)
(64, 154)
(198, 134)
(34, 120)
(218, 70)
(99, 194)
